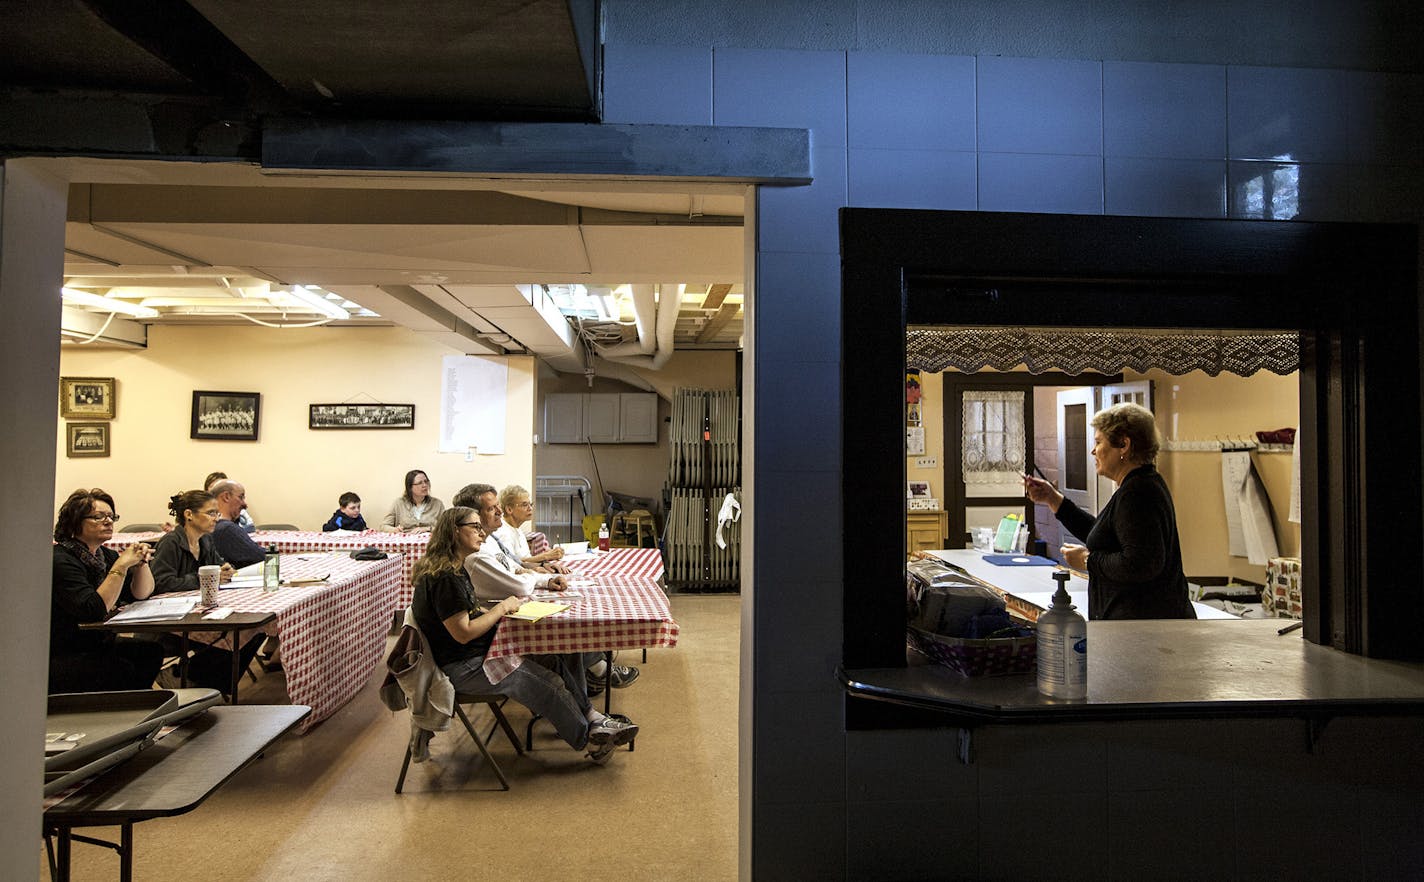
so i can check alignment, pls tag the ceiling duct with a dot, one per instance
(669, 301)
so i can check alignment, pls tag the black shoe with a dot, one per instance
(623, 677)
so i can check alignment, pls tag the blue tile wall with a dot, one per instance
(1385, 117)
(1164, 187)
(1040, 105)
(781, 88)
(666, 85)
(1054, 184)
(1289, 191)
(1170, 111)
(798, 295)
(1288, 115)
(913, 179)
(910, 101)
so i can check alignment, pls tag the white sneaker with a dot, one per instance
(613, 730)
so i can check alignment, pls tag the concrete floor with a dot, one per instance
(321, 806)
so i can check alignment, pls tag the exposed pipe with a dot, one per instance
(645, 310)
(669, 301)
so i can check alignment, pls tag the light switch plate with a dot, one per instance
(927, 462)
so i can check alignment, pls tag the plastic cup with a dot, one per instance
(208, 579)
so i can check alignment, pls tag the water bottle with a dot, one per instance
(603, 536)
(271, 569)
(1062, 647)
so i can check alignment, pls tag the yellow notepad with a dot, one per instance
(535, 610)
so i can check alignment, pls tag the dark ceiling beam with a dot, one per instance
(174, 32)
(533, 150)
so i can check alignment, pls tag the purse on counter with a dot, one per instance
(370, 552)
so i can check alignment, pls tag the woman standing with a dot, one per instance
(414, 511)
(88, 581)
(460, 633)
(1133, 556)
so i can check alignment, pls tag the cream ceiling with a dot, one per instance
(223, 243)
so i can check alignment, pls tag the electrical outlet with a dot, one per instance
(469, 454)
(927, 462)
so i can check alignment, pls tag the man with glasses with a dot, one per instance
(497, 572)
(236, 547)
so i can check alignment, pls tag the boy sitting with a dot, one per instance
(348, 516)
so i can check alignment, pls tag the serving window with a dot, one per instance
(1330, 296)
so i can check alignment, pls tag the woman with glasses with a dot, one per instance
(176, 559)
(89, 580)
(460, 631)
(518, 510)
(414, 511)
(190, 545)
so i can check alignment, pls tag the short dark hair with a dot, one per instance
(70, 519)
(347, 498)
(469, 495)
(215, 476)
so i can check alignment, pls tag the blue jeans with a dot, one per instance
(552, 686)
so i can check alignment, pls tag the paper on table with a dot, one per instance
(156, 609)
(556, 595)
(535, 610)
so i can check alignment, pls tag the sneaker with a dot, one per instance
(601, 753)
(419, 743)
(623, 677)
(615, 730)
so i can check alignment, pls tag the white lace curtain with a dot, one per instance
(993, 443)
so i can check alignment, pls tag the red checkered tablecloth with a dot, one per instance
(611, 612)
(333, 635)
(410, 545)
(646, 563)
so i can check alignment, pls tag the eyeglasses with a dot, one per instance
(420, 483)
(210, 512)
(523, 504)
(473, 524)
(100, 518)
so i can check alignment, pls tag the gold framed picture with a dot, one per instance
(91, 397)
(86, 439)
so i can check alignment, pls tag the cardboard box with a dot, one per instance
(1281, 596)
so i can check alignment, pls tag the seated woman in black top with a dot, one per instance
(460, 633)
(1133, 556)
(176, 559)
(89, 580)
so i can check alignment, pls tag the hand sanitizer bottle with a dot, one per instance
(271, 569)
(1062, 647)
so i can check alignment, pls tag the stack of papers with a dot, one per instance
(157, 609)
(535, 610)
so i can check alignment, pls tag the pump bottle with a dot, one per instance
(1062, 647)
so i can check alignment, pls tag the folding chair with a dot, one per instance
(502, 722)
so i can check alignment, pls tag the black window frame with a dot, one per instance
(1348, 288)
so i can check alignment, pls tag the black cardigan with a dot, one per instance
(1135, 560)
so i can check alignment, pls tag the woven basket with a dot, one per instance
(994, 657)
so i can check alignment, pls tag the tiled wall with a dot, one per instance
(1011, 134)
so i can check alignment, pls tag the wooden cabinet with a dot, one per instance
(925, 530)
(602, 418)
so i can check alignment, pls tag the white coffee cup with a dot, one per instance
(208, 579)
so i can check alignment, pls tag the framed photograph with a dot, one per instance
(91, 397)
(226, 416)
(86, 439)
(362, 416)
(918, 489)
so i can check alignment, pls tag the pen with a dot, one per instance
(1289, 628)
(1040, 473)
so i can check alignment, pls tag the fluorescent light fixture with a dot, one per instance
(317, 303)
(94, 301)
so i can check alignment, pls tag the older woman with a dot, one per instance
(190, 545)
(518, 510)
(414, 511)
(175, 564)
(1133, 556)
(460, 632)
(88, 581)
